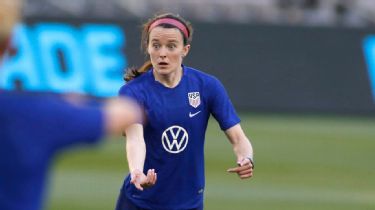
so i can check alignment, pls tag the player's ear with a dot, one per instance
(186, 50)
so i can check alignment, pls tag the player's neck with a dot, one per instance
(170, 80)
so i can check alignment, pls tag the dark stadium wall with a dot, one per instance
(264, 68)
(274, 68)
(285, 69)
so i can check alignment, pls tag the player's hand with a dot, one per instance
(141, 181)
(244, 169)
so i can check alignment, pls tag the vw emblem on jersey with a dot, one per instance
(175, 139)
(194, 99)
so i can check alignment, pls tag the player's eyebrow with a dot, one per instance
(169, 41)
(173, 40)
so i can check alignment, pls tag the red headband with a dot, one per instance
(172, 22)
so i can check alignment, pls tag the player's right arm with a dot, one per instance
(136, 154)
(136, 147)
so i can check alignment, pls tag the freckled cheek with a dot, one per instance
(153, 56)
(176, 58)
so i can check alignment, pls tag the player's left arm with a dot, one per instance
(243, 150)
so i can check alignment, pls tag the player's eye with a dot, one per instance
(156, 46)
(171, 46)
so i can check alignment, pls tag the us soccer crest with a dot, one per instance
(194, 99)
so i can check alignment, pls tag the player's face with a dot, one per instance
(166, 49)
(9, 13)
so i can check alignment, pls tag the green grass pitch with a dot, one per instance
(302, 162)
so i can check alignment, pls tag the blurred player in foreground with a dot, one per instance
(178, 101)
(35, 126)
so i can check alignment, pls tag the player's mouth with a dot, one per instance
(163, 64)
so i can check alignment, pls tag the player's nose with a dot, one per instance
(163, 52)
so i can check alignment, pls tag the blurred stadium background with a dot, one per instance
(301, 73)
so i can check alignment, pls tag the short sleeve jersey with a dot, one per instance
(33, 128)
(174, 133)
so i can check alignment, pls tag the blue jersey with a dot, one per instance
(174, 133)
(33, 127)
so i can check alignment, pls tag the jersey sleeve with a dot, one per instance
(68, 123)
(220, 106)
(127, 91)
(49, 121)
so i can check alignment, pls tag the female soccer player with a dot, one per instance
(34, 127)
(166, 150)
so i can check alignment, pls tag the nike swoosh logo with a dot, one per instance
(193, 114)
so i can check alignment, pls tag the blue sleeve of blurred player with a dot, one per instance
(221, 107)
(53, 121)
(73, 122)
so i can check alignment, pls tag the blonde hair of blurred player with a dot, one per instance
(9, 15)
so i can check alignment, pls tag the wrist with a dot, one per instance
(135, 171)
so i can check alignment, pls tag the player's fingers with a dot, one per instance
(150, 176)
(134, 178)
(153, 177)
(245, 176)
(246, 166)
(149, 172)
(240, 168)
(136, 182)
(138, 186)
(234, 170)
(245, 171)
(146, 179)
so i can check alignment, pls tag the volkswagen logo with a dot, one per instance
(174, 139)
